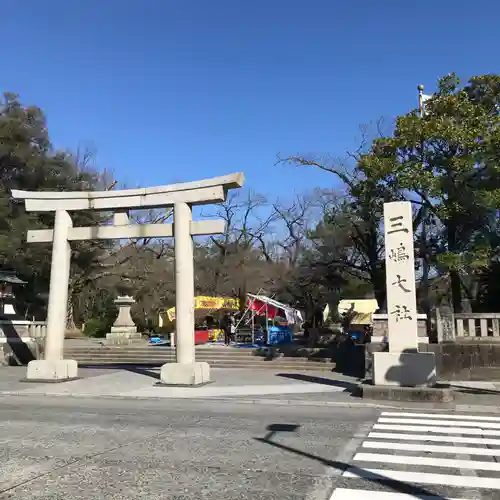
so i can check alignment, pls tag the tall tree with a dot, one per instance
(236, 262)
(28, 162)
(349, 235)
(449, 162)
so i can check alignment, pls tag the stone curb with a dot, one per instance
(269, 402)
(374, 404)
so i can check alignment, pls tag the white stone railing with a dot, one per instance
(456, 326)
(37, 329)
(477, 325)
(21, 330)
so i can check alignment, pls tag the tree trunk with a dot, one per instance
(70, 319)
(455, 283)
(242, 296)
(379, 286)
(377, 267)
(456, 291)
(71, 328)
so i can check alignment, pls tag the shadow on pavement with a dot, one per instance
(348, 386)
(121, 366)
(399, 487)
(21, 353)
(139, 369)
(143, 371)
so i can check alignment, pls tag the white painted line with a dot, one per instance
(423, 478)
(429, 448)
(426, 421)
(435, 439)
(348, 494)
(436, 430)
(475, 418)
(451, 463)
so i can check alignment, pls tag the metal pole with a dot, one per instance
(253, 322)
(267, 323)
(423, 232)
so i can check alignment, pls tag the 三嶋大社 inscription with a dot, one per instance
(403, 365)
(400, 277)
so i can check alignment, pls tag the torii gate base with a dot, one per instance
(52, 370)
(186, 371)
(185, 375)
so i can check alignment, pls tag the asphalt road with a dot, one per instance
(77, 448)
(55, 448)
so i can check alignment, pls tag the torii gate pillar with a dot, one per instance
(186, 371)
(54, 367)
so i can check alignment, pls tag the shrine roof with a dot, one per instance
(10, 277)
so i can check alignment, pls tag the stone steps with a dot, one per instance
(162, 351)
(223, 357)
(170, 351)
(311, 367)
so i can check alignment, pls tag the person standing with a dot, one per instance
(232, 328)
(225, 325)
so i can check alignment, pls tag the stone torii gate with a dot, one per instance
(186, 371)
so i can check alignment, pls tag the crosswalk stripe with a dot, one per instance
(423, 478)
(444, 416)
(427, 437)
(426, 421)
(451, 463)
(436, 430)
(349, 494)
(410, 436)
(429, 448)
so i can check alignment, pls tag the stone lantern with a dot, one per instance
(16, 343)
(124, 330)
(7, 297)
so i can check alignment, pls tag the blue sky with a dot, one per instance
(173, 90)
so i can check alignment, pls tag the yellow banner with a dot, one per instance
(171, 314)
(215, 335)
(216, 303)
(203, 302)
(361, 310)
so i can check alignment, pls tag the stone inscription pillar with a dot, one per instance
(403, 365)
(400, 277)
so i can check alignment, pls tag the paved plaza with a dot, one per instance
(258, 386)
(142, 382)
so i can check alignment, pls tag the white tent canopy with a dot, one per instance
(292, 315)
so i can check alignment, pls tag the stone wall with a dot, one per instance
(466, 360)
(454, 360)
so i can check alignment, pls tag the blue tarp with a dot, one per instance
(279, 335)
